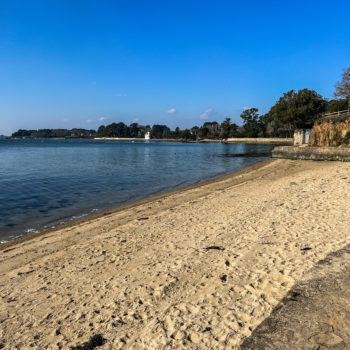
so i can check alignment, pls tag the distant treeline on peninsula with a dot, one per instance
(294, 110)
(54, 133)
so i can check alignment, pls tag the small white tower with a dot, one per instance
(148, 135)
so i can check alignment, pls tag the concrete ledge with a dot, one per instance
(313, 153)
(276, 140)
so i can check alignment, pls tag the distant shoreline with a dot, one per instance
(263, 140)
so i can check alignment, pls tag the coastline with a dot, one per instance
(261, 140)
(197, 268)
(87, 218)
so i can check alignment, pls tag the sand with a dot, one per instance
(195, 269)
(315, 314)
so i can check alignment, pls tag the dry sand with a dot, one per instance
(195, 269)
(315, 314)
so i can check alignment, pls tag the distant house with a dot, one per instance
(301, 137)
(148, 135)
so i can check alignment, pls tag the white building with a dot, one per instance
(148, 135)
(301, 137)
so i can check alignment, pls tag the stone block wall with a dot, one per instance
(329, 134)
(313, 153)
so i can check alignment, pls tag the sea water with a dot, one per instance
(46, 182)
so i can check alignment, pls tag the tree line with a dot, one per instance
(294, 110)
(54, 133)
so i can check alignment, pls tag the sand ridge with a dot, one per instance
(197, 269)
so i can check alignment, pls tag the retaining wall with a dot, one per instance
(260, 140)
(313, 153)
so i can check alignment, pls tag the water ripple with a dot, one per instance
(44, 182)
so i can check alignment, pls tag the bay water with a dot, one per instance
(47, 182)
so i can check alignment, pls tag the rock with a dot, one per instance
(223, 278)
(214, 247)
(194, 338)
(327, 339)
(207, 329)
(223, 312)
(177, 335)
(95, 341)
(192, 309)
(328, 134)
(169, 325)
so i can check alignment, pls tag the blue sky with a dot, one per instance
(67, 64)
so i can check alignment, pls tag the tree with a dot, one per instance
(101, 130)
(234, 130)
(203, 132)
(226, 128)
(298, 110)
(337, 105)
(211, 130)
(194, 132)
(342, 88)
(134, 130)
(116, 130)
(265, 125)
(250, 118)
(187, 135)
(177, 133)
(159, 131)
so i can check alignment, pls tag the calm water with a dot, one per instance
(45, 182)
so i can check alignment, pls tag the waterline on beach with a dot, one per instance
(46, 183)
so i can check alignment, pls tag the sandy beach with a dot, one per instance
(198, 268)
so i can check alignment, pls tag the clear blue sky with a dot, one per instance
(67, 64)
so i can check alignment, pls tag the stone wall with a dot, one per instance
(298, 138)
(276, 140)
(313, 153)
(329, 134)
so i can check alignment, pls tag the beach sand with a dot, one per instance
(199, 268)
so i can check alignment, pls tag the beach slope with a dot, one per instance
(199, 268)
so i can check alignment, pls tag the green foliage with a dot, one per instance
(226, 128)
(160, 131)
(134, 130)
(210, 130)
(116, 130)
(101, 130)
(337, 105)
(23, 133)
(255, 125)
(298, 110)
(251, 122)
(187, 135)
(52, 133)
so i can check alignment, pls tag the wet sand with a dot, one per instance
(198, 268)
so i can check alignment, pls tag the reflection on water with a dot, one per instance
(43, 182)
